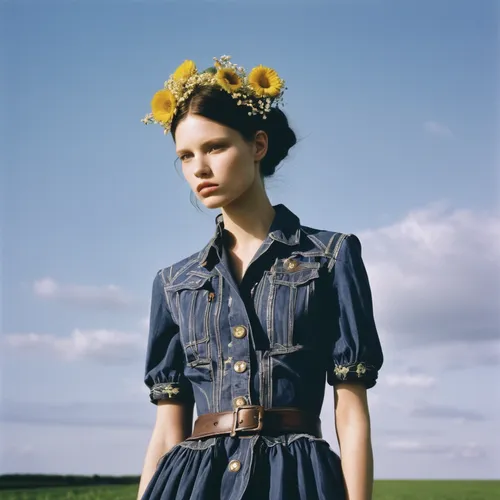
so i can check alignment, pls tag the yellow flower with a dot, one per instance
(265, 81)
(163, 106)
(185, 70)
(228, 79)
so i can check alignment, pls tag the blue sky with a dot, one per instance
(395, 106)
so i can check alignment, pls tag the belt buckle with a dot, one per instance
(257, 427)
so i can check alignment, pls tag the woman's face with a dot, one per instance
(219, 165)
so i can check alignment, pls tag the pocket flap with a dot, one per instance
(191, 282)
(302, 274)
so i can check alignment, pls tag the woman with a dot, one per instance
(249, 328)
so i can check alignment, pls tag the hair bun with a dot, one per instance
(281, 138)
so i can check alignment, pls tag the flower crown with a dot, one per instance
(259, 90)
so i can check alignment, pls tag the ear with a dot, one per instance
(260, 145)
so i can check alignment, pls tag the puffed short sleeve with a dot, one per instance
(356, 351)
(164, 371)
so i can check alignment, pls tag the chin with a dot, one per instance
(213, 202)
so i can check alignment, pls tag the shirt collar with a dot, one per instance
(285, 229)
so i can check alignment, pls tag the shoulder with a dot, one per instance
(334, 245)
(170, 274)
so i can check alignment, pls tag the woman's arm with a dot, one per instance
(173, 424)
(352, 421)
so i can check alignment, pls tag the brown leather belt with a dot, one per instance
(254, 419)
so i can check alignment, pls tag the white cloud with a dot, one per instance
(101, 345)
(467, 450)
(434, 276)
(374, 399)
(136, 389)
(450, 413)
(457, 355)
(409, 380)
(102, 449)
(144, 323)
(107, 296)
(437, 129)
(20, 450)
(73, 413)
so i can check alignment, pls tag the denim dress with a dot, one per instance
(301, 318)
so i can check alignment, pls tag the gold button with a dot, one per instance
(240, 366)
(234, 465)
(291, 264)
(240, 401)
(239, 332)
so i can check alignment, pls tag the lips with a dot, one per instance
(204, 185)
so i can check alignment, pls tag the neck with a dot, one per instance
(248, 218)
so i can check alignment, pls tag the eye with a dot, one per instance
(216, 147)
(184, 157)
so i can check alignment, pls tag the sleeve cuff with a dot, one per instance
(357, 372)
(166, 390)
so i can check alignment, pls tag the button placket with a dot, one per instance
(239, 351)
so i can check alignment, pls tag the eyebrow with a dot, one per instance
(209, 142)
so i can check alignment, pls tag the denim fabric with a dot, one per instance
(302, 315)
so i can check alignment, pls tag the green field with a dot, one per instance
(437, 490)
(384, 490)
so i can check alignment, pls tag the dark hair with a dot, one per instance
(218, 105)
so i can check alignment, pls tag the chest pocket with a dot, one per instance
(292, 284)
(193, 302)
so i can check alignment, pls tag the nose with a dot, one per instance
(202, 169)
